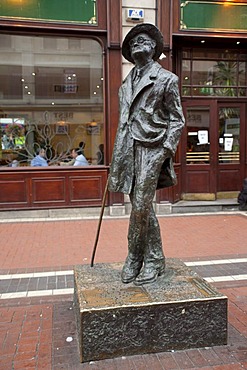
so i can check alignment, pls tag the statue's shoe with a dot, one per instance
(130, 271)
(149, 274)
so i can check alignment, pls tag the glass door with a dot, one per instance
(213, 147)
(229, 135)
(199, 159)
(231, 147)
(198, 135)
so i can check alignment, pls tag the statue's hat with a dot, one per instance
(149, 29)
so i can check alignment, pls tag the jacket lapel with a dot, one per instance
(127, 94)
(146, 80)
(127, 88)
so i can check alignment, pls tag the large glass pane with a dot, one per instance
(186, 77)
(229, 135)
(242, 78)
(198, 144)
(202, 75)
(51, 96)
(242, 74)
(214, 73)
(186, 53)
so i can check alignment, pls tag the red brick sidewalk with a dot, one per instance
(26, 337)
(36, 333)
(66, 243)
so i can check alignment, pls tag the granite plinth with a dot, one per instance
(179, 311)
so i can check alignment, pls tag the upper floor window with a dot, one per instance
(214, 73)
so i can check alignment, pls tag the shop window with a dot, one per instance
(51, 96)
(213, 73)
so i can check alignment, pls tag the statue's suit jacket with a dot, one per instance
(152, 115)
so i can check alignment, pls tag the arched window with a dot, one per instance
(51, 96)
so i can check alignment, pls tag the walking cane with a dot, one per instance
(100, 221)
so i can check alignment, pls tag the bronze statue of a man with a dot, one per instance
(150, 125)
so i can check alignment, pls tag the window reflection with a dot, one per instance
(51, 96)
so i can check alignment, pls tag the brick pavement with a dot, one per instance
(39, 332)
(62, 244)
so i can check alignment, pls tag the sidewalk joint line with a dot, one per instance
(37, 293)
(216, 262)
(36, 275)
(71, 272)
(216, 279)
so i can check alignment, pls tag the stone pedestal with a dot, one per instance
(180, 310)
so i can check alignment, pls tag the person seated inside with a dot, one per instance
(14, 163)
(39, 160)
(242, 197)
(80, 160)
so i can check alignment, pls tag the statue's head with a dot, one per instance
(151, 31)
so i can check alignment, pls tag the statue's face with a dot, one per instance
(142, 45)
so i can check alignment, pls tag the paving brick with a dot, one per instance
(183, 360)
(71, 360)
(42, 283)
(167, 360)
(70, 284)
(45, 337)
(196, 358)
(126, 363)
(44, 356)
(240, 354)
(6, 316)
(23, 284)
(52, 282)
(225, 354)
(25, 339)
(26, 356)
(10, 342)
(25, 364)
(8, 350)
(31, 328)
(108, 364)
(4, 286)
(33, 284)
(23, 347)
(6, 362)
(13, 286)
(210, 356)
(60, 282)
(44, 364)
